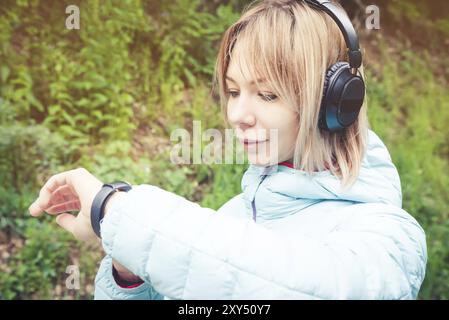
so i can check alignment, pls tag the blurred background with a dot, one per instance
(107, 96)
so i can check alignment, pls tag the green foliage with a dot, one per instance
(409, 109)
(39, 268)
(425, 22)
(28, 154)
(182, 52)
(79, 81)
(38, 265)
(114, 161)
(225, 185)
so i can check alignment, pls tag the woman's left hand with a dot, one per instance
(72, 190)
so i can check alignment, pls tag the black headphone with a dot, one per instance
(344, 89)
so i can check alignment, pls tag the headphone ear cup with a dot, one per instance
(343, 95)
(331, 71)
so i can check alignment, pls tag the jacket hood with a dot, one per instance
(276, 191)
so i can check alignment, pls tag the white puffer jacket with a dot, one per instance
(287, 236)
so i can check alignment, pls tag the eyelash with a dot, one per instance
(231, 93)
(265, 97)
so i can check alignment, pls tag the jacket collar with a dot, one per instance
(280, 190)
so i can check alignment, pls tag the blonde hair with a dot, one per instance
(292, 45)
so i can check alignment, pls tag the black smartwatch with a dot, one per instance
(97, 210)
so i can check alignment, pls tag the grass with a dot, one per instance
(409, 109)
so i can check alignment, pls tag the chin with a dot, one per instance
(264, 154)
(261, 160)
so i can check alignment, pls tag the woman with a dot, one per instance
(326, 223)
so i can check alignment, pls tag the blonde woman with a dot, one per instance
(322, 221)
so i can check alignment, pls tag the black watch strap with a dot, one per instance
(97, 210)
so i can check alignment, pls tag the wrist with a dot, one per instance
(113, 198)
(97, 210)
(123, 276)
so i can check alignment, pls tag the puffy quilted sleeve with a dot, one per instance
(106, 287)
(185, 251)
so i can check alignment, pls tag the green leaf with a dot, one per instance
(4, 73)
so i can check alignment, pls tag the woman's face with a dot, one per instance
(263, 123)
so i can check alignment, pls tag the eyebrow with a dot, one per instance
(251, 83)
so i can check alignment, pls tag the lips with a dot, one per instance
(252, 142)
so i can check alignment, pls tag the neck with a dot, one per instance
(288, 163)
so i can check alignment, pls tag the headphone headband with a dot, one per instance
(346, 28)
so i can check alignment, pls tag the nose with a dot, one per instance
(240, 113)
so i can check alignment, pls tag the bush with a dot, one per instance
(29, 154)
(409, 109)
(39, 267)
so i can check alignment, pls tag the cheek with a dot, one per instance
(288, 133)
(288, 126)
(293, 131)
(229, 113)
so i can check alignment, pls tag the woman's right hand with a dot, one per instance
(124, 273)
(72, 190)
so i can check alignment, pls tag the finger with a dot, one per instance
(55, 200)
(62, 194)
(41, 203)
(66, 221)
(64, 207)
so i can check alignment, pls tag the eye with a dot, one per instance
(268, 96)
(232, 93)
